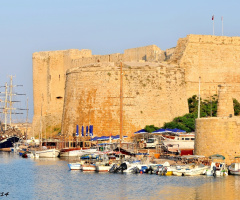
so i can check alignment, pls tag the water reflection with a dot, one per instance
(51, 179)
(210, 188)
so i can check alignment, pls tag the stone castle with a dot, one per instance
(75, 87)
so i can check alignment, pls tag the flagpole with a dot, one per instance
(199, 97)
(213, 23)
(222, 25)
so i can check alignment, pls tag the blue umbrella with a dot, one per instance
(161, 130)
(77, 131)
(91, 130)
(140, 131)
(86, 130)
(82, 131)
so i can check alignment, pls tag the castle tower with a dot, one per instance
(225, 102)
(219, 135)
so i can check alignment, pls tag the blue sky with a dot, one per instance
(104, 26)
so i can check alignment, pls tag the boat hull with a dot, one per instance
(48, 153)
(8, 142)
(103, 168)
(89, 168)
(75, 166)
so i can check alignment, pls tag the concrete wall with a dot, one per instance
(153, 94)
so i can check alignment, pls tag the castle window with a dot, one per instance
(59, 97)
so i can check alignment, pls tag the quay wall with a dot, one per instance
(153, 93)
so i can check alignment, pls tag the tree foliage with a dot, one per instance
(150, 128)
(236, 105)
(208, 108)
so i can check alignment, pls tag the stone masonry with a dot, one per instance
(219, 135)
(151, 95)
(215, 58)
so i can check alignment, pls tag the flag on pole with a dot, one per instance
(222, 25)
(213, 23)
(86, 130)
(77, 131)
(91, 130)
(82, 131)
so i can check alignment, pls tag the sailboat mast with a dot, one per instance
(121, 103)
(5, 107)
(27, 120)
(40, 133)
(10, 101)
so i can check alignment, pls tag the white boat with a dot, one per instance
(17, 146)
(103, 168)
(75, 166)
(48, 153)
(165, 170)
(178, 141)
(28, 154)
(217, 169)
(135, 167)
(194, 170)
(75, 152)
(234, 168)
(89, 167)
(179, 170)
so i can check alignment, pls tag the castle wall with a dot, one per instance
(151, 53)
(215, 58)
(153, 94)
(49, 74)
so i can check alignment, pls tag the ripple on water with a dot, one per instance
(51, 179)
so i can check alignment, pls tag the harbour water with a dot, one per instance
(51, 179)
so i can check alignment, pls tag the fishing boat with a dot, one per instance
(89, 167)
(68, 152)
(104, 167)
(75, 166)
(218, 166)
(75, 152)
(27, 154)
(16, 146)
(234, 168)
(194, 170)
(47, 153)
(136, 168)
(179, 170)
(165, 170)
